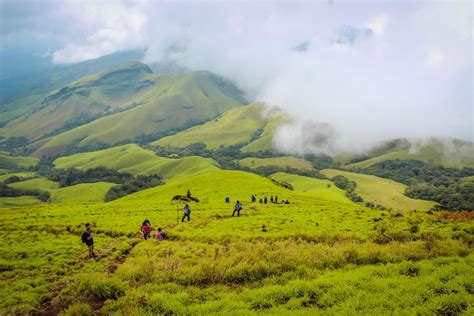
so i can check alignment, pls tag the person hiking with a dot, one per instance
(253, 197)
(261, 200)
(188, 194)
(276, 199)
(227, 199)
(237, 209)
(271, 198)
(265, 200)
(160, 234)
(88, 240)
(146, 229)
(187, 213)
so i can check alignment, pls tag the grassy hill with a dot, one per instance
(249, 124)
(22, 175)
(138, 161)
(89, 97)
(313, 256)
(18, 201)
(81, 193)
(169, 102)
(19, 94)
(281, 162)
(12, 162)
(318, 188)
(381, 191)
(36, 184)
(448, 152)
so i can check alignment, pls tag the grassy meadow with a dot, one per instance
(320, 254)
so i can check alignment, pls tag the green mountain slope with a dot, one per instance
(82, 193)
(11, 162)
(169, 102)
(281, 162)
(248, 124)
(447, 152)
(385, 192)
(138, 161)
(92, 96)
(21, 93)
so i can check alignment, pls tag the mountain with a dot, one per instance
(139, 161)
(449, 152)
(247, 125)
(20, 93)
(107, 92)
(168, 103)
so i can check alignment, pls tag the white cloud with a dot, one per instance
(379, 24)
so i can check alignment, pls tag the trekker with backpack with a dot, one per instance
(88, 240)
(237, 209)
(253, 197)
(146, 229)
(187, 213)
(160, 234)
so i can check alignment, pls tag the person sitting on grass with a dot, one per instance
(237, 209)
(160, 234)
(88, 240)
(187, 213)
(146, 229)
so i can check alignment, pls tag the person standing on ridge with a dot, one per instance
(276, 199)
(253, 198)
(187, 213)
(265, 200)
(237, 209)
(188, 194)
(88, 240)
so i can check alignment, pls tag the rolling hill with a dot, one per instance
(8, 161)
(167, 103)
(23, 92)
(385, 192)
(243, 125)
(281, 162)
(81, 193)
(138, 161)
(447, 152)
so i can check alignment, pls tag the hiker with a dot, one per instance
(253, 197)
(146, 229)
(276, 199)
(88, 240)
(188, 194)
(187, 213)
(265, 200)
(237, 209)
(271, 199)
(227, 199)
(160, 234)
(261, 200)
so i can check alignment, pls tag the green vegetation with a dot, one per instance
(312, 256)
(166, 103)
(18, 201)
(138, 161)
(242, 125)
(381, 192)
(41, 183)
(431, 182)
(82, 193)
(447, 152)
(280, 162)
(16, 162)
(17, 175)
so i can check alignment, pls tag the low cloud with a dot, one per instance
(368, 71)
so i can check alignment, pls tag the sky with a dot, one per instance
(351, 73)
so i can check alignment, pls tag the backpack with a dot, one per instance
(147, 228)
(84, 237)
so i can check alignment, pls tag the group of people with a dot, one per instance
(146, 230)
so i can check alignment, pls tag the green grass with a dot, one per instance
(81, 193)
(385, 192)
(18, 201)
(138, 161)
(313, 256)
(12, 162)
(449, 153)
(36, 184)
(233, 127)
(281, 162)
(169, 102)
(22, 175)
